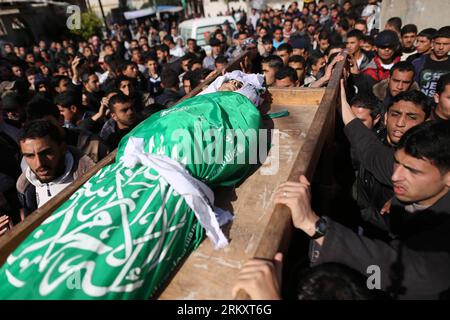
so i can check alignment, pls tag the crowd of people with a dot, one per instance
(65, 104)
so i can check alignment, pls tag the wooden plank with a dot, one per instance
(10, 241)
(279, 229)
(296, 96)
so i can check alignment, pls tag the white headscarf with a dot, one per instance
(252, 88)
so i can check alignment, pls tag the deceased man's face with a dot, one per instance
(231, 85)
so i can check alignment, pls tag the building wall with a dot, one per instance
(108, 5)
(423, 13)
(214, 7)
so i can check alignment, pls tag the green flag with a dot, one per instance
(122, 234)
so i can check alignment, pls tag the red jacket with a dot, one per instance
(376, 71)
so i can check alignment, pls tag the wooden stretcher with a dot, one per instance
(259, 229)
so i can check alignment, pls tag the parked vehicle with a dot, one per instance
(199, 29)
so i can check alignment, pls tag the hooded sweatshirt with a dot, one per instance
(46, 191)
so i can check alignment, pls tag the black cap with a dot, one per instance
(387, 38)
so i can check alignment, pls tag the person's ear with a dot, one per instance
(436, 98)
(385, 117)
(73, 109)
(113, 116)
(447, 179)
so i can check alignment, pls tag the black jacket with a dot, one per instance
(415, 264)
(376, 161)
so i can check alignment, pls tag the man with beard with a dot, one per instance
(51, 164)
(408, 38)
(401, 79)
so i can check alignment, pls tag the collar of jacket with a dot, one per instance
(441, 206)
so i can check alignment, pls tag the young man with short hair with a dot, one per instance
(353, 45)
(284, 51)
(266, 46)
(174, 50)
(216, 50)
(394, 24)
(368, 46)
(442, 99)
(286, 77)
(423, 43)
(164, 56)
(220, 64)
(153, 76)
(300, 46)
(51, 164)
(401, 78)
(70, 108)
(91, 88)
(278, 37)
(298, 63)
(361, 25)
(323, 42)
(193, 48)
(136, 57)
(408, 38)
(123, 120)
(60, 84)
(316, 62)
(130, 69)
(367, 109)
(170, 84)
(429, 68)
(270, 66)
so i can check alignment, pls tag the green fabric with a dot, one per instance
(125, 230)
(220, 112)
